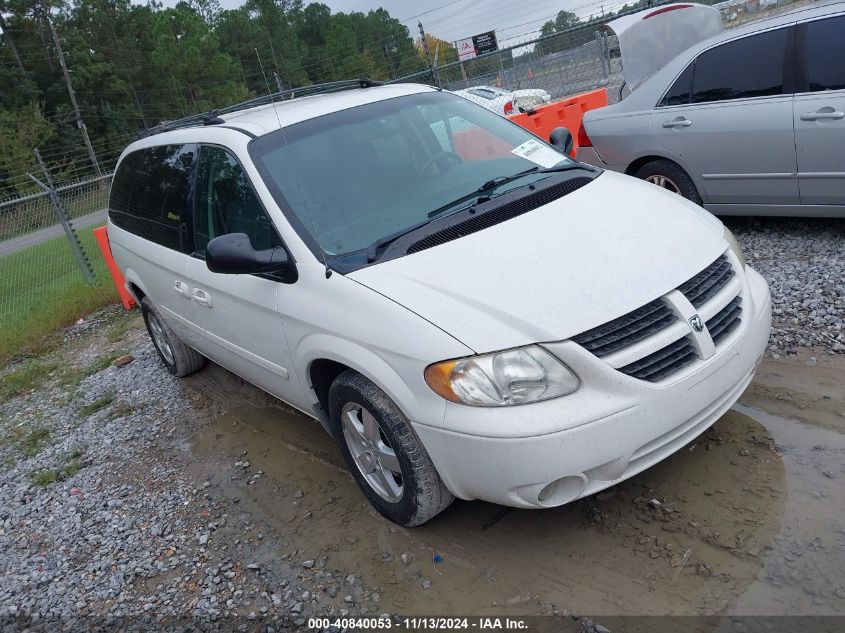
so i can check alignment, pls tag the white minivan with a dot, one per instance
(469, 312)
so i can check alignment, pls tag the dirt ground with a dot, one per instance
(748, 519)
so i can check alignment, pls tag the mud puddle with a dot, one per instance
(746, 519)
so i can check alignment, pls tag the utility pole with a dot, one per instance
(79, 122)
(433, 68)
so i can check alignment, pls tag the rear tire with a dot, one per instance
(179, 359)
(669, 176)
(390, 463)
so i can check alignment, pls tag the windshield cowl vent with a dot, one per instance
(499, 212)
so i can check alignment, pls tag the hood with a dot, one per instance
(589, 257)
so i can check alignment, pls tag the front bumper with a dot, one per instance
(550, 453)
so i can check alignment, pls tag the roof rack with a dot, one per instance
(213, 117)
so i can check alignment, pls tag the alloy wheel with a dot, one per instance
(160, 338)
(664, 182)
(371, 451)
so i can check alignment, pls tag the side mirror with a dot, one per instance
(233, 254)
(561, 138)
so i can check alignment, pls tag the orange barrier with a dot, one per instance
(102, 237)
(565, 113)
(479, 144)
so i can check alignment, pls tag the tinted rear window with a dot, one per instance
(826, 54)
(150, 192)
(679, 93)
(749, 67)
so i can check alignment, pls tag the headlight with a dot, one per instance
(516, 376)
(734, 246)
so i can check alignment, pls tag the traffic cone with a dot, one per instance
(498, 81)
(530, 75)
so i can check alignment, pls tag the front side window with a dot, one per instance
(353, 177)
(748, 67)
(826, 54)
(149, 194)
(226, 203)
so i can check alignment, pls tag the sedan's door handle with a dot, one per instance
(202, 297)
(823, 113)
(182, 288)
(677, 122)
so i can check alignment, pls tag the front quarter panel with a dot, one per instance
(341, 320)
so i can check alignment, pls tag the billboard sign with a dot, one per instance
(476, 45)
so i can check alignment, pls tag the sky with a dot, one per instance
(514, 21)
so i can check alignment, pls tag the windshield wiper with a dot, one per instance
(372, 249)
(501, 180)
(477, 197)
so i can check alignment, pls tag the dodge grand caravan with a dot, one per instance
(466, 310)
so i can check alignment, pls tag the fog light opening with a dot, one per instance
(562, 491)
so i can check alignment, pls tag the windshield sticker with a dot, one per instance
(538, 153)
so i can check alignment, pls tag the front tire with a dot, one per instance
(179, 359)
(383, 453)
(669, 176)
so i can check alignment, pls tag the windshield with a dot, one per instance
(353, 177)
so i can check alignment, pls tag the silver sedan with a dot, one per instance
(749, 122)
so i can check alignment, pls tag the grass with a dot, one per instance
(118, 331)
(42, 289)
(35, 441)
(120, 409)
(44, 477)
(100, 403)
(47, 476)
(72, 376)
(30, 375)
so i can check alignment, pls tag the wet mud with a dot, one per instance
(749, 518)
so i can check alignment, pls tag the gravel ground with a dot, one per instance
(126, 533)
(804, 263)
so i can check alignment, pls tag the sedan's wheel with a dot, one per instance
(383, 453)
(663, 181)
(179, 359)
(669, 176)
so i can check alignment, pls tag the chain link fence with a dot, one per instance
(48, 257)
(578, 59)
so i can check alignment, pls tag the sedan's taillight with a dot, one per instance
(509, 107)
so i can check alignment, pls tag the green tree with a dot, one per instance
(21, 130)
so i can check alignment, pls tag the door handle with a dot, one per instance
(180, 287)
(202, 297)
(677, 122)
(823, 113)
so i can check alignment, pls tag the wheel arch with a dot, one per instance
(134, 285)
(635, 165)
(323, 357)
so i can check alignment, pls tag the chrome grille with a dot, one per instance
(665, 347)
(627, 329)
(708, 282)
